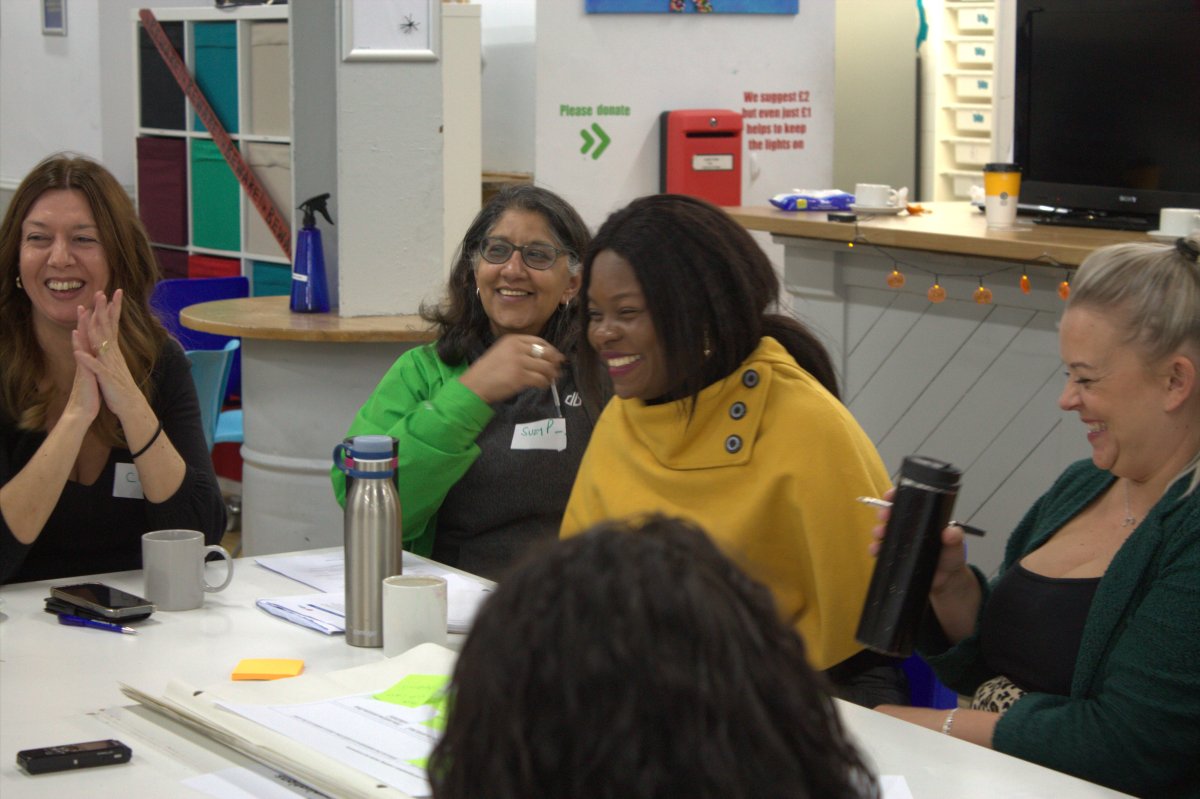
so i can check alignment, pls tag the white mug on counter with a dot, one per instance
(173, 567)
(875, 195)
(1178, 221)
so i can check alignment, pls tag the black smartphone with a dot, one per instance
(109, 602)
(58, 607)
(69, 756)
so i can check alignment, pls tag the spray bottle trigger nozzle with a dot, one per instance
(313, 205)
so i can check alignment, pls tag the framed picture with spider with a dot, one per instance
(391, 30)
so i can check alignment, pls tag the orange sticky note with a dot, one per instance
(267, 668)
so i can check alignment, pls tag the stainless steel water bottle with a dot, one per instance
(899, 589)
(372, 529)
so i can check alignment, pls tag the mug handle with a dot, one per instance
(224, 553)
(893, 197)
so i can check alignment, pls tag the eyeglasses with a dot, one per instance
(536, 256)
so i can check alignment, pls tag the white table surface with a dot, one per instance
(59, 685)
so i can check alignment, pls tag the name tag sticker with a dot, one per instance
(126, 483)
(542, 434)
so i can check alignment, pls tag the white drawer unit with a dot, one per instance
(973, 87)
(959, 65)
(979, 52)
(980, 19)
(970, 151)
(972, 119)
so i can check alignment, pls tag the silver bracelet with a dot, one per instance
(949, 722)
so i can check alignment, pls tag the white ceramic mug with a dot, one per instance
(173, 567)
(875, 195)
(1179, 221)
(414, 612)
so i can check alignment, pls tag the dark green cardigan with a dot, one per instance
(1132, 720)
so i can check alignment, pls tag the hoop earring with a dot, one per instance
(565, 304)
(707, 345)
(19, 283)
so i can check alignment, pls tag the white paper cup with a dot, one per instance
(414, 612)
(1001, 188)
(173, 568)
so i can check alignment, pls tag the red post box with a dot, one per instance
(701, 154)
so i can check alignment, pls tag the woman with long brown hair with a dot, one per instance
(100, 434)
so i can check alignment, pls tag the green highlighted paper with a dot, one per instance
(421, 690)
(416, 690)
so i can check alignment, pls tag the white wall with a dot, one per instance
(68, 93)
(508, 79)
(876, 100)
(652, 63)
(49, 86)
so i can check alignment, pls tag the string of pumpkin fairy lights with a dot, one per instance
(982, 294)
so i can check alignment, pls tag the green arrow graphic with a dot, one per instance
(588, 141)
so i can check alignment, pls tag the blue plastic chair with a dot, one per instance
(172, 296)
(210, 373)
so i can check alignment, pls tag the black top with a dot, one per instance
(1031, 629)
(92, 531)
(515, 496)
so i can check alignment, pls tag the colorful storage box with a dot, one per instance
(162, 188)
(213, 266)
(160, 100)
(269, 99)
(216, 70)
(272, 164)
(216, 210)
(270, 280)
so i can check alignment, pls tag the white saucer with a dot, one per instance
(1161, 236)
(876, 209)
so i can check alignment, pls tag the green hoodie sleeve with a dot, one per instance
(436, 420)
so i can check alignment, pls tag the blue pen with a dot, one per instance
(79, 621)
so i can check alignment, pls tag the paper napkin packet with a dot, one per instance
(813, 200)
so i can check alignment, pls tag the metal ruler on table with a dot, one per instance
(233, 156)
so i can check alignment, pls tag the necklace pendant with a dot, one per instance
(1129, 521)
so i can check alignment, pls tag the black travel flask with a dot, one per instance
(908, 557)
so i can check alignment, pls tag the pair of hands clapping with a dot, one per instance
(101, 374)
(511, 365)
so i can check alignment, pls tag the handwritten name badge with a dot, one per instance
(126, 483)
(542, 434)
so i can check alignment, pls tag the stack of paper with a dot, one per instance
(322, 612)
(360, 732)
(326, 571)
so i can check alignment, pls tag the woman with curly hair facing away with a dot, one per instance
(637, 661)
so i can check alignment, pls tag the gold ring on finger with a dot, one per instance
(103, 346)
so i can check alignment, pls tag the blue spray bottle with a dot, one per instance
(310, 294)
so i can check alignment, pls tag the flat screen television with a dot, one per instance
(1107, 109)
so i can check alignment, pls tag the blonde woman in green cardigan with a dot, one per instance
(1084, 653)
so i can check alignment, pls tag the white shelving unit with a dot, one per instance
(262, 129)
(960, 117)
